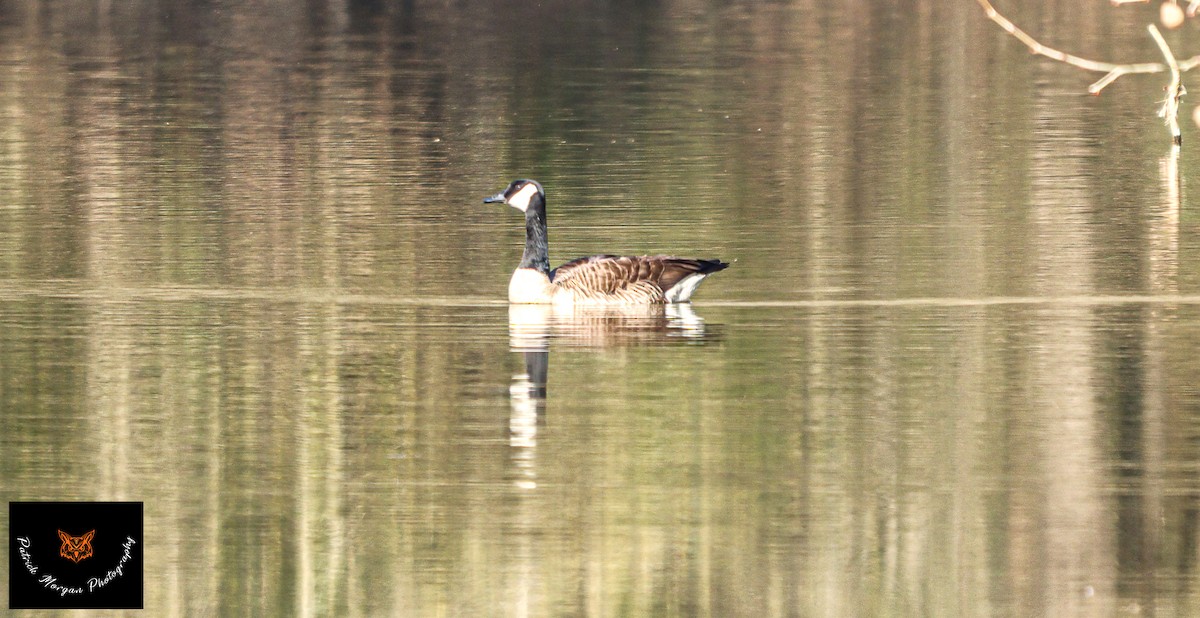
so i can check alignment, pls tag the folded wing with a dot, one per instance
(652, 276)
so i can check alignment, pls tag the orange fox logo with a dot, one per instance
(76, 548)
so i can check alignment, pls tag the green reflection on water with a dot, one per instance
(244, 277)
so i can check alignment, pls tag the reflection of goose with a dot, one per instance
(531, 327)
(530, 330)
(527, 396)
(599, 279)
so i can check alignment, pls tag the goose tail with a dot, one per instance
(682, 291)
(707, 267)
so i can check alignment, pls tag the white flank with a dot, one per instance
(682, 292)
(520, 200)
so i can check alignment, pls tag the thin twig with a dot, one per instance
(1170, 108)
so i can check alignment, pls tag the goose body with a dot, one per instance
(595, 280)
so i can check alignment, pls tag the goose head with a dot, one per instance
(521, 194)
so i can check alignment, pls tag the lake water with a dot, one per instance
(246, 277)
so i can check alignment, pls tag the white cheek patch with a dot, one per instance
(520, 200)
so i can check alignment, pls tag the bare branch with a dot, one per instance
(1112, 71)
(1169, 111)
(1175, 90)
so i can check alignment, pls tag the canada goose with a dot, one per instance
(599, 279)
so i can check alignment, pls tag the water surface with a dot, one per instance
(246, 278)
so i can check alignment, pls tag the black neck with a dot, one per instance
(537, 250)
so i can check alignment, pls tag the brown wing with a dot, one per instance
(608, 274)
